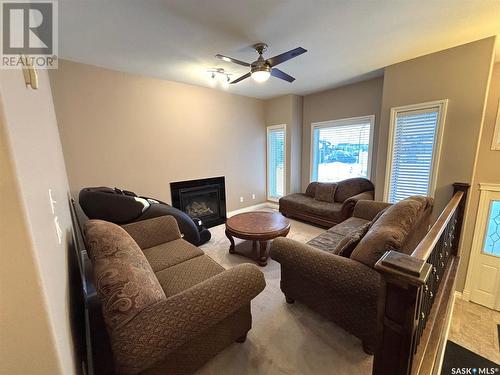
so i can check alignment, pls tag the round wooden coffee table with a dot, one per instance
(257, 226)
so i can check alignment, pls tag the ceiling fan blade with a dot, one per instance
(275, 72)
(241, 78)
(230, 59)
(273, 61)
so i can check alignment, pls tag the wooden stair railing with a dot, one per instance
(417, 295)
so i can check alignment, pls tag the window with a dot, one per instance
(492, 237)
(276, 151)
(414, 147)
(341, 149)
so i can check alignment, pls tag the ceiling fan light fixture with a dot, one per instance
(261, 76)
(262, 69)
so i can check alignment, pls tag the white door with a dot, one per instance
(484, 272)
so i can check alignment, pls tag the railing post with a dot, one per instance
(463, 187)
(410, 297)
(399, 311)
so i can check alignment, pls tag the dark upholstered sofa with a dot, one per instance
(327, 204)
(333, 274)
(168, 307)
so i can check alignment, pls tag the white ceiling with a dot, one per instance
(347, 40)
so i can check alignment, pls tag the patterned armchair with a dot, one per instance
(168, 307)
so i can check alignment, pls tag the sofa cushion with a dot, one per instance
(124, 280)
(351, 187)
(169, 254)
(153, 232)
(346, 246)
(325, 192)
(347, 226)
(391, 230)
(184, 275)
(329, 210)
(311, 189)
(327, 241)
(303, 203)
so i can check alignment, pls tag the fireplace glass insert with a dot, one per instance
(204, 199)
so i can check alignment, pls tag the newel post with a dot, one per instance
(403, 277)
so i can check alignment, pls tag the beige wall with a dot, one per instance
(296, 144)
(358, 99)
(458, 74)
(140, 133)
(487, 170)
(288, 110)
(34, 314)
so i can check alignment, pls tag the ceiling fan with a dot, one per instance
(261, 70)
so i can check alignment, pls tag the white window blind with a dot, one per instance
(275, 162)
(413, 154)
(341, 149)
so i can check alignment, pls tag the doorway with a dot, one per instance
(483, 276)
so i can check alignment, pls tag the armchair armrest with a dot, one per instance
(350, 280)
(167, 325)
(349, 203)
(368, 209)
(153, 232)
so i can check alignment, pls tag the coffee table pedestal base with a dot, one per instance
(262, 261)
(231, 239)
(260, 227)
(262, 249)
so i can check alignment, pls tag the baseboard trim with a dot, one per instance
(466, 295)
(253, 208)
(458, 295)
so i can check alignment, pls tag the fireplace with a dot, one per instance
(204, 199)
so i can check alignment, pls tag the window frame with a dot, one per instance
(442, 106)
(268, 129)
(339, 123)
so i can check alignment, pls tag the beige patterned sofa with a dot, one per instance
(327, 204)
(168, 307)
(333, 274)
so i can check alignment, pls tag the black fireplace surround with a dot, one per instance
(204, 199)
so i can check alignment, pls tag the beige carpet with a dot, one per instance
(285, 339)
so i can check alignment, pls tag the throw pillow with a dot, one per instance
(325, 192)
(125, 281)
(346, 246)
(311, 189)
(351, 187)
(392, 229)
(377, 216)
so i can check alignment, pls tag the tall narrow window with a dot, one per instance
(276, 144)
(341, 149)
(414, 148)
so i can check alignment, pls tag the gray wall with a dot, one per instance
(487, 169)
(461, 75)
(358, 99)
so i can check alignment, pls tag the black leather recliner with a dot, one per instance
(123, 207)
